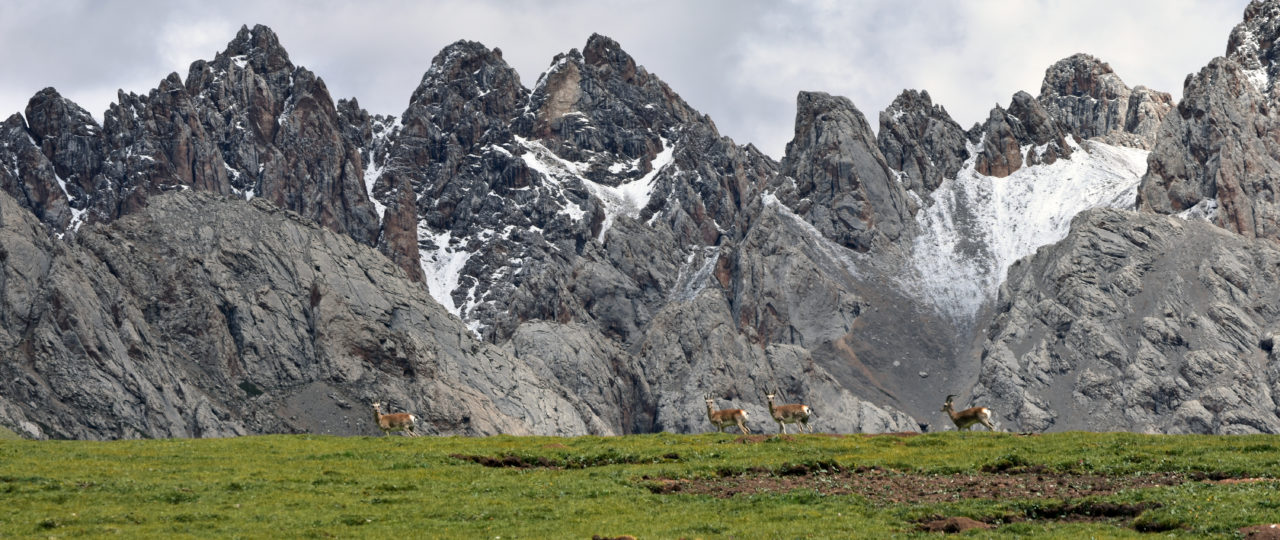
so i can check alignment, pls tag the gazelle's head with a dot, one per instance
(377, 405)
(710, 402)
(770, 396)
(947, 406)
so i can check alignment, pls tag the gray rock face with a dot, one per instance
(280, 133)
(1087, 96)
(791, 286)
(1025, 123)
(607, 378)
(454, 152)
(1137, 322)
(837, 178)
(700, 353)
(168, 322)
(248, 122)
(1219, 150)
(920, 140)
(604, 87)
(71, 139)
(1081, 96)
(28, 176)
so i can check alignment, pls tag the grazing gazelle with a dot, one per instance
(789, 414)
(968, 417)
(727, 417)
(394, 421)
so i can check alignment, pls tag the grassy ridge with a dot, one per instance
(394, 486)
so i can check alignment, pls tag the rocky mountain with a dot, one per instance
(235, 252)
(1151, 323)
(1138, 322)
(200, 315)
(1216, 156)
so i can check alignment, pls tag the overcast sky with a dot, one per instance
(741, 62)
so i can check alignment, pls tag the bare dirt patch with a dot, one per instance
(1262, 532)
(952, 525)
(893, 487)
(1064, 511)
(1243, 480)
(508, 461)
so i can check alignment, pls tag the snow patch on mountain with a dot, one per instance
(382, 132)
(695, 273)
(625, 199)
(442, 267)
(1206, 209)
(975, 227)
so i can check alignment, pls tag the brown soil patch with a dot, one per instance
(1084, 511)
(1262, 532)
(1243, 480)
(515, 462)
(952, 525)
(886, 486)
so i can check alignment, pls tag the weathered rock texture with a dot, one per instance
(837, 178)
(1218, 152)
(248, 122)
(920, 140)
(1092, 102)
(28, 176)
(201, 316)
(1023, 134)
(1138, 322)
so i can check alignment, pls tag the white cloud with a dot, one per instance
(180, 43)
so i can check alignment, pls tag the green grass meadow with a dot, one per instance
(401, 487)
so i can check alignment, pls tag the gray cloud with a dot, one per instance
(741, 62)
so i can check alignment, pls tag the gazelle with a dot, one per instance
(789, 414)
(394, 421)
(968, 417)
(727, 417)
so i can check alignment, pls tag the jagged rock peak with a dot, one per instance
(29, 177)
(1253, 45)
(1082, 75)
(71, 140)
(842, 183)
(1216, 158)
(922, 141)
(49, 115)
(1091, 101)
(584, 92)
(1026, 126)
(604, 51)
(259, 47)
(1252, 42)
(470, 70)
(811, 106)
(914, 100)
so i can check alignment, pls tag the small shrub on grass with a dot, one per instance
(1006, 463)
(1152, 522)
